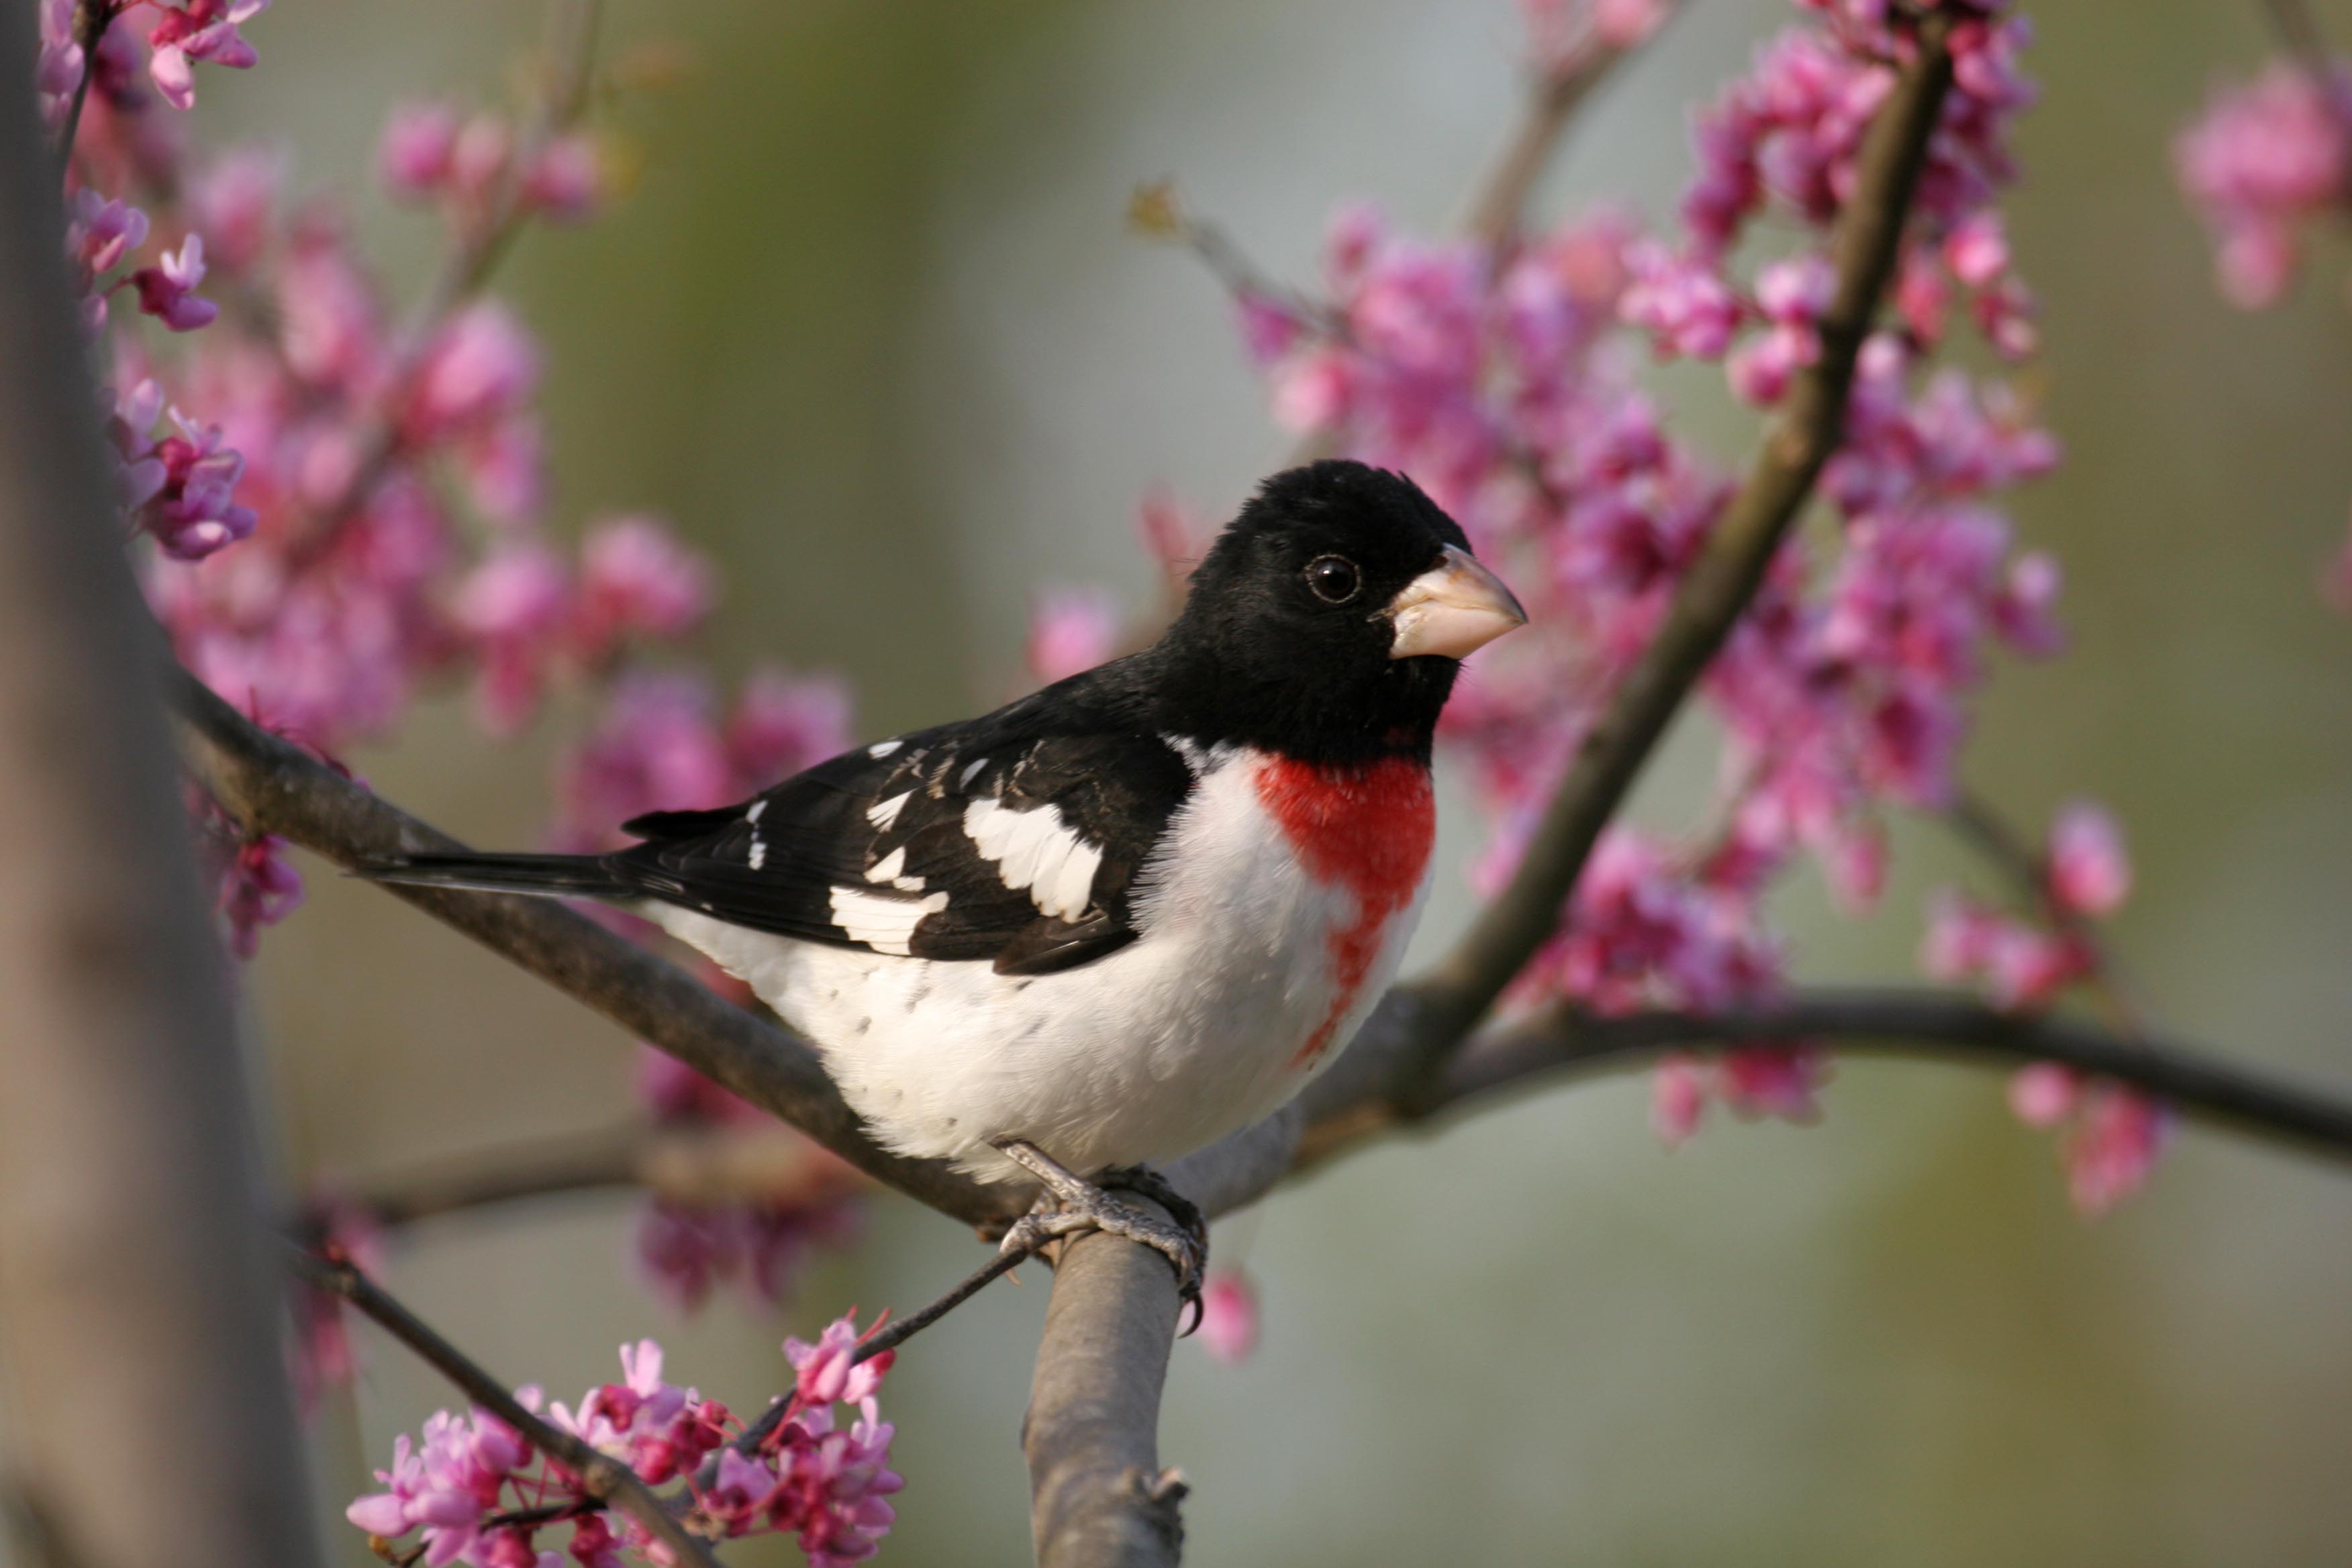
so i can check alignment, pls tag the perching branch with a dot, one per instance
(600, 1475)
(1723, 579)
(271, 786)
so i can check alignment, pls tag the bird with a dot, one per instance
(1121, 917)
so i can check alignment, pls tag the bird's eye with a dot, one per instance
(1334, 578)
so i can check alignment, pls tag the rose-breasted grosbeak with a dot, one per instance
(1127, 914)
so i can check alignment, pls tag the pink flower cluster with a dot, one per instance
(685, 1249)
(478, 1493)
(180, 33)
(2111, 1134)
(2262, 163)
(431, 152)
(347, 515)
(662, 744)
(2025, 963)
(1504, 383)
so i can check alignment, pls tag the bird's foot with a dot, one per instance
(1071, 1205)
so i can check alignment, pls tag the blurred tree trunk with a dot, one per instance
(148, 1419)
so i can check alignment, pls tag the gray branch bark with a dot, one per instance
(148, 1417)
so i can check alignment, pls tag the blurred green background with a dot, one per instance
(869, 328)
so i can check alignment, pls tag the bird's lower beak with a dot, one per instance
(1452, 608)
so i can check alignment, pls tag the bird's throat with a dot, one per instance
(1367, 827)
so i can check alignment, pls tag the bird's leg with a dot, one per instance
(1070, 1204)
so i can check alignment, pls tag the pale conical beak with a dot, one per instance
(1452, 608)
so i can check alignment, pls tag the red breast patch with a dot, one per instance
(1368, 830)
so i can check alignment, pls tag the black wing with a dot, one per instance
(988, 840)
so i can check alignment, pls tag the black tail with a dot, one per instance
(548, 876)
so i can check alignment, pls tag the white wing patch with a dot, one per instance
(882, 813)
(883, 748)
(1034, 850)
(758, 852)
(885, 924)
(972, 771)
(892, 868)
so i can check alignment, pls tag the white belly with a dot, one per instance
(1191, 1032)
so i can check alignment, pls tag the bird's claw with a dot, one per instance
(1180, 1240)
(1070, 1204)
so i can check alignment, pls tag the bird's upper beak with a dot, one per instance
(1454, 607)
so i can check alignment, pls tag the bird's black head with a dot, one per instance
(1328, 620)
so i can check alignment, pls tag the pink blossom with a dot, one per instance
(103, 231)
(564, 180)
(510, 607)
(414, 155)
(479, 158)
(638, 581)
(482, 366)
(1229, 1316)
(2262, 160)
(197, 30)
(333, 331)
(784, 724)
(193, 513)
(1071, 631)
(1270, 327)
(1977, 249)
(827, 1372)
(2089, 872)
(234, 204)
(258, 888)
(1686, 305)
(167, 290)
(2044, 1094)
(811, 1478)
(2022, 968)
(2116, 1137)
(58, 70)
(1678, 1099)
(685, 1251)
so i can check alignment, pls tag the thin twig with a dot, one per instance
(1724, 578)
(574, 27)
(687, 1164)
(1499, 204)
(91, 18)
(600, 1475)
(1903, 1023)
(2299, 31)
(1991, 835)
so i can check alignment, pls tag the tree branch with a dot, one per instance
(1723, 579)
(1902, 1022)
(603, 1477)
(270, 785)
(1098, 1497)
(148, 1411)
(696, 1165)
(1499, 204)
